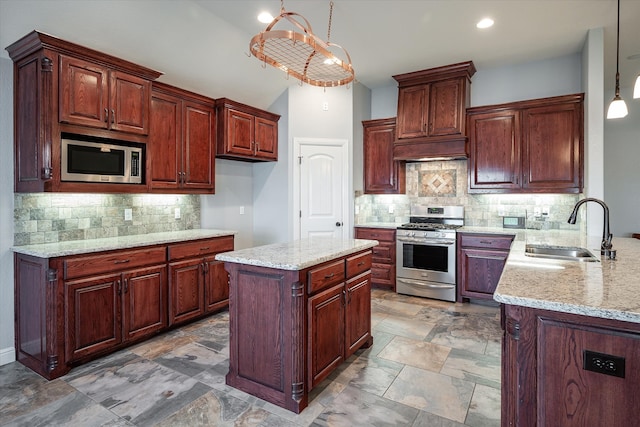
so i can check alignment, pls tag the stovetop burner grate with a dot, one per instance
(428, 226)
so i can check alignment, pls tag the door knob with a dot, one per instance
(338, 224)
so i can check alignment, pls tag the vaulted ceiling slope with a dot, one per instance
(203, 45)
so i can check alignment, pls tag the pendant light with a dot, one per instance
(617, 108)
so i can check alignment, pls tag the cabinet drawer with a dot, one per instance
(200, 247)
(383, 273)
(113, 261)
(358, 263)
(384, 253)
(326, 275)
(485, 241)
(380, 234)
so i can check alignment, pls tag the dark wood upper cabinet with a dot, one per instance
(61, 87)
(97, 96)
(382, 174)
(181, 141)
(246, 133)
(531, 146)
(431, 112)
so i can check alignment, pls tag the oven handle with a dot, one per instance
(427, 242)
(425, 285)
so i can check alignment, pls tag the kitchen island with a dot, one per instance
(571, 340)
(296, 311)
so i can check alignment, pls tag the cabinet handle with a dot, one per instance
(121, 261)
(361, 263)
(119, 284)
(113, 116)
(205, 267)
(329, 276)
(106, 115)
(126, 286)
(344, 298)
(257, 147)
(486, 242)
(205, 248)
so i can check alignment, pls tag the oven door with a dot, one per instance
(433, 261)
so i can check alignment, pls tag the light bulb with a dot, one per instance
(636, 88)
(617, 109)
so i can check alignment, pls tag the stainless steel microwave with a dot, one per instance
(88, 161)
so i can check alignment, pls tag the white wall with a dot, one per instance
(234, 189)
(384, 102)
(594, 113)
(7, 352)
(361, 111)
(621, 171)
(272, 188)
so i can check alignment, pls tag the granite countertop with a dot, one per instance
(392, 225)
(297, 255)
(607, 289)
(75, 247)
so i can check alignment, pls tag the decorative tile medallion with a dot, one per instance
(437, 183)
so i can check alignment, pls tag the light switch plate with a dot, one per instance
(128, 215)
(176, 213)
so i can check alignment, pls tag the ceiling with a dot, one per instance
(203, 45)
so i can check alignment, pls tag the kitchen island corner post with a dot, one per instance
(298, 326)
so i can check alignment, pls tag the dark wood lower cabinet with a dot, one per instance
(481, 259)
(568, 370)
(289, 329)
(75, 308)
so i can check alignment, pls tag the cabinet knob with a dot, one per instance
(338, 224)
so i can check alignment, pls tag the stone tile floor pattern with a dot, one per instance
(433, 363)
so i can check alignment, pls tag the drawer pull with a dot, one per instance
(205, 249)
(121, 261)
(329, 276)
(361, 263)
(486, 242)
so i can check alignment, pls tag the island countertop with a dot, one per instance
(75, 247)
(297, 255)
(607, 289)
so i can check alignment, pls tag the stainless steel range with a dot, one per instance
(426, 252)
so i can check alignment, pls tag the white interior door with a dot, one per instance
(323, 200)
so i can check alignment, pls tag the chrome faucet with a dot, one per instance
(606, 245)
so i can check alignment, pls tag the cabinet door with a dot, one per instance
(92, 315)
(165, 141)
(570, 395)
(130, 98)
(266, 139)
(186, 290)
(494, 145)
(413, 105)
(382, 175)
(216, 285)
(144, 302)
(481, 270)
(551, 152)
(240, 133)
(84, 93)
(358, 312)
(326, 332)
(446, 107)
(198, 146)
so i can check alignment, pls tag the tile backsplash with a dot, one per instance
(445, 183)
(56, 217)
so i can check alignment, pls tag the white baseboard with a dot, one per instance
(7, 355)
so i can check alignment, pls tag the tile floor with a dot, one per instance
(432, 364)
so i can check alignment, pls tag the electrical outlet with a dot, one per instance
(603, 363)
(392, 209)
(325, 106)
(128, 215)
(537, 211)
(545, 210)
(500, 211)
(176, 213)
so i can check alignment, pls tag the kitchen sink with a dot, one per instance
(571, 253)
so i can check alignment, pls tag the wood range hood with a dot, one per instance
(431, 118)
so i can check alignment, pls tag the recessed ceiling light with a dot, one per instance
(265, 17)
(485, 23)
